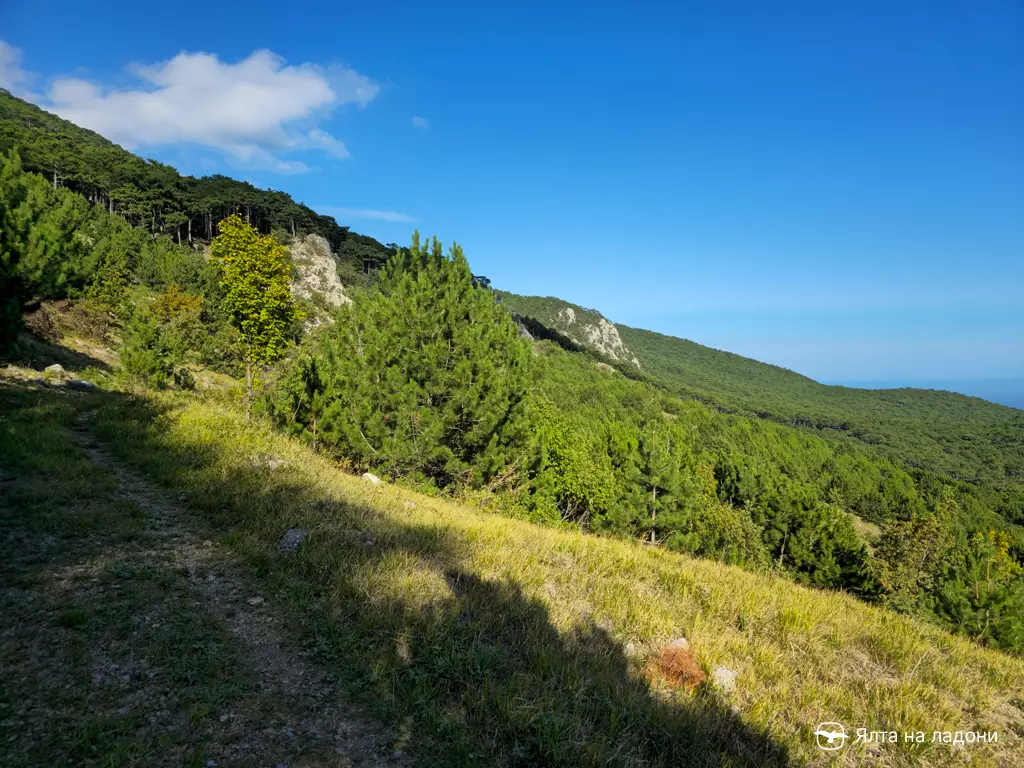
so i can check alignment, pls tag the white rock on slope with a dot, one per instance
(318, 271)
(601, 336)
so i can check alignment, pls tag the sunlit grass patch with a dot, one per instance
(502, 639)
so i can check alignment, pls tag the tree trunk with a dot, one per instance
(654, 511)
(248, 387)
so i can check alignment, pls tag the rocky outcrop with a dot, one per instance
(604, 338)
(317, 277)
(598, 335)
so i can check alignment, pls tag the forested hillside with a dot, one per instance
(573, 327)
(908, 499)
(964, 438)
(155, 196)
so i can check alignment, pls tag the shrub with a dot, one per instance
(144, 353)
(422, 377)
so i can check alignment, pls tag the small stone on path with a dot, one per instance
(292, 539)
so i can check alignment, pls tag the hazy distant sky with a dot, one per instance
(836, 187)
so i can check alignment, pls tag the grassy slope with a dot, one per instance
(497, 642)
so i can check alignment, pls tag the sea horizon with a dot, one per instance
(1008, 391)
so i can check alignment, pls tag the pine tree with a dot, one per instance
(28, 247)
(660, 471)
(427, 373)
(144, 354)
(572, 479)
(912, 551)
(254, 275)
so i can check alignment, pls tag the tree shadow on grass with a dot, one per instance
(36, 353)
(470, 669)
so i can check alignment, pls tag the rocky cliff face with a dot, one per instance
(569, 325)
(596, 333)
(317, 278)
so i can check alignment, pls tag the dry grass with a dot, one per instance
(678, 667)
(506, 643)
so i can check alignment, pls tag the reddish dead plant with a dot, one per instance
(678, 667)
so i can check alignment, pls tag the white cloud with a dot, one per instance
(420, 122)
(320, 140)
(12, 76)
(366, 213)
(255, 110)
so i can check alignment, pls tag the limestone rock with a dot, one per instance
(724, 680)
(273, 463)
(317, 274)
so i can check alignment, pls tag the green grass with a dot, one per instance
(492, 641)
(95, 640)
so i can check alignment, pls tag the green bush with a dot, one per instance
(423, 377)
(145, 355)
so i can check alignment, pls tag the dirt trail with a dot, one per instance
(288, 714)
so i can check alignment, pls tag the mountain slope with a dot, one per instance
(156, 196)
(442, 622)
(584, 328)
(962, 437)
(631, 455)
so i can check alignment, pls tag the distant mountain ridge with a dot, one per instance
(924, 428)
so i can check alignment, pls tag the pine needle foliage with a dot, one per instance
(424, 376)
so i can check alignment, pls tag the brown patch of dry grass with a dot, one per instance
(677, 667)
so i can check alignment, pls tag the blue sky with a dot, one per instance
(834, 187)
